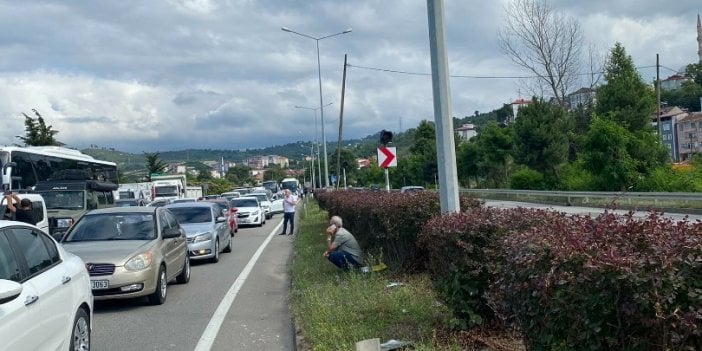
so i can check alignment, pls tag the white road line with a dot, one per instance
(210, 334)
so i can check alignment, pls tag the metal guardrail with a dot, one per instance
(684, 202)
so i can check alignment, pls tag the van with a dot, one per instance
(38, 209)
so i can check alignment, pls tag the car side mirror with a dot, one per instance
(221, 219)
(9, 290)
(170, 233)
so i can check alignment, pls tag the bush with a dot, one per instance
(388, 222)
(527, 179)
(464, 255)
(604, 283)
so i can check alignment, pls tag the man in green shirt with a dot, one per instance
(342, 248)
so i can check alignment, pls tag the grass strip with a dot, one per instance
(333, 310)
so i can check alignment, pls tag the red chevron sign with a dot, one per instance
(386, 157)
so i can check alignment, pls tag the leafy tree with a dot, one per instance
(467, 161)
(239, 175)
(37, 132)
(274, 172)
(495, 146)
(687, 97)
(422, 162)
(625, 97)
(154, 163)
(605, 155)
(541, 138)
(348, 163)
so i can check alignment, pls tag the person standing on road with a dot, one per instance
(342, 248)
(289, 202)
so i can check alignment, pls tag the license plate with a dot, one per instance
(100, 284)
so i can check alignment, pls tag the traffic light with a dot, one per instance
(385, 137)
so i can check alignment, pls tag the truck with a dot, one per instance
(168, 187)
(138, 191)
(193, 192)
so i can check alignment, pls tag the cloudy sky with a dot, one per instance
(163, 75)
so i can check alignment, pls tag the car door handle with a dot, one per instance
(65, 280)
(31, 299)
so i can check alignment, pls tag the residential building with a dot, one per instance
(466, 131)
(689, 133)
(258, 162)
(673, 82)
(669, 120)
(516, 105)
(581, 97)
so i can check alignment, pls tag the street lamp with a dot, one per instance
(321, 104)
(316, 137)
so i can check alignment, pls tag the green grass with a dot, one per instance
(333, 310)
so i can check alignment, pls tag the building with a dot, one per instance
(699, 37)
(689, 135)
(581, 97)
(466, 131)
(673, 82)
(669, 120)
(516, 105)
(258, 162)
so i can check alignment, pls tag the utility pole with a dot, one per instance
(341, 123)
(658, 96)
(445, 146)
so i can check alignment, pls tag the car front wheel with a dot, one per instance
(215, 258)
(159, 296)
(80, 336)
(184, 276)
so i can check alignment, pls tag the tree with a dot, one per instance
(421, 165)
(154, 163)
(467, 158)
(625, 97)
(541, 138)
(605, 155)
(239, 175)
(495, 145)
(687, 97)
(545, 43)
(37, 132)
(274, 172)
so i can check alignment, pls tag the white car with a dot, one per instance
(45, 294)
(264, 201)
(249, 211)
(277, 203)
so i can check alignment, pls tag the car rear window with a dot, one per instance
(192, 214)
(244, 203)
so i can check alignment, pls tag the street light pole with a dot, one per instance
(316, 138)
(321, 103)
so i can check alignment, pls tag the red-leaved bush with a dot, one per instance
(603, 283)
(388, 222)
(464, 255)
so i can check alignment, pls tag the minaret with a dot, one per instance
(699, 37)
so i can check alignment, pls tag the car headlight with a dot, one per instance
(202, 237)
(139, 262)
(64, 222)
(254, 213)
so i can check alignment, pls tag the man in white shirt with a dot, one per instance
(289, 202)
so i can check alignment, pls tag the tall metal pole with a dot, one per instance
(319, 161)
(314, 185)
(341, 123)
(658, 97)
(448, 178)
(321, 112)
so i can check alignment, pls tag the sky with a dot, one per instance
(166, 75)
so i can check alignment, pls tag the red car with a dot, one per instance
(228, 211)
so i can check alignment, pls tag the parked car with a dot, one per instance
(45, 299)
(249, 212)
(265, 203)
(129, 202)
(206, 228)
(277, 203)
(411, 189)
(229, 212)
(130, 251)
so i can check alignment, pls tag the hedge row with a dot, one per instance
(568, 282)
(388, 223)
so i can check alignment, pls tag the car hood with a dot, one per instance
(116, 252)
(191, 229)
(247, 209)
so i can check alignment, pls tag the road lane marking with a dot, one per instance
(210, 334)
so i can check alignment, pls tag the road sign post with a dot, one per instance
(387, 158)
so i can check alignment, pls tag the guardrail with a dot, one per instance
(663, 201)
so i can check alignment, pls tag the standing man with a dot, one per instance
(289, 202)
(342, 248)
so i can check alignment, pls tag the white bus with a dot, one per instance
(22, 167)
(291, 184)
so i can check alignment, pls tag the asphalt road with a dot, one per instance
(253, 281)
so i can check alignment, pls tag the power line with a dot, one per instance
(480, 77)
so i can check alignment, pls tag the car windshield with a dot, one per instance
(113, 226)
(261, 197)
(63, 200)
(192, 214)
(126, 203)
(244, 203)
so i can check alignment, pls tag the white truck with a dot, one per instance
(168, 187)
(193, 192)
